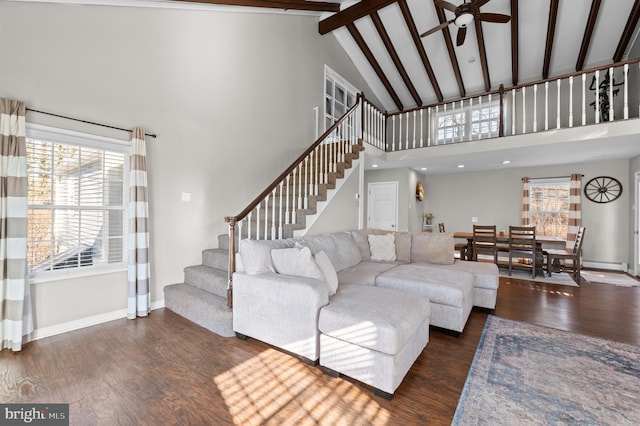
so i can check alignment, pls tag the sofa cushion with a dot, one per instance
(374, 318)
(364, 273)
(256, 254)
(296, 261)
(382, 247)
(485, 274)
(403, 246)
(361, 238)
(340, 247)
(329, 272)
(432, 248)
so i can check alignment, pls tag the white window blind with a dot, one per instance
(77, 206)
(549, 205)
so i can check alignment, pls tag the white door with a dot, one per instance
(636, 237)
(382, 205)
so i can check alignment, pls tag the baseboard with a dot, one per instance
(65, 327)
(606, 266)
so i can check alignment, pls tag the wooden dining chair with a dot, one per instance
(461, 247)
(484, 241)
(574, 254)
(522, 243)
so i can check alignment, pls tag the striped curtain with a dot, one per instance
(16, 320)
(575, 208)
(525, 202)
(139, 298)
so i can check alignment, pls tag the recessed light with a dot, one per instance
(423, 168)
(506, 162)
(460, 166)
(374, 165)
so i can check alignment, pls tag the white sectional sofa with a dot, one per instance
(360, 303)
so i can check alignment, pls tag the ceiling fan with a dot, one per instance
(465, 14)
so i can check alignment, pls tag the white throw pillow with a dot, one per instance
(296, 261)
(329, 272)
(382, 247)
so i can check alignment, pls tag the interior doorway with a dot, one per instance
(636, 226)
(382, 205)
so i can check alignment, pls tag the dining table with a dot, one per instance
(502, 238)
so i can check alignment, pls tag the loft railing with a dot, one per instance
(274, 213)
(571, 100)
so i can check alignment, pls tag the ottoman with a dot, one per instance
(373, 335)
(450, 292)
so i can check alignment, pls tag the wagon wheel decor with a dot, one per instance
(603, 189)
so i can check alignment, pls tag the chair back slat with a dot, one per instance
(522, 238)
(577, 244)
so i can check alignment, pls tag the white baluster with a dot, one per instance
(558, 105)
(258, 221)
(429, 126)
(294, 210)
(571, 101)
(584, 99)
(480, 117)
(471, 109)
(535, 108)
(406, 138)
(280, 221)
(421, 127)
(400, 132)
(437, 126)
(287, 212)
(273, 214)
(306, 182)
(611, 112)
(490, 117)
(626, 92)
(445, 123)
(524, 110)
(249, 225)
(393, 133)
(546, 105)
(266, 217)
(513, 118)
(300, 204)
(414, 128)
(597, 101)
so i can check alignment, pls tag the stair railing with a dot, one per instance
(276, 208)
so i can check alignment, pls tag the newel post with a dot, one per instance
(501, 127)
(232, 259)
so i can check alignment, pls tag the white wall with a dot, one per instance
(495, 197)
(230, 95)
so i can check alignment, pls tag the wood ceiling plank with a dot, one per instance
(417, 41)
(357, 37)
(588, 33)
(551, 32)
(386, 40)
(352, 14)
(629, 28)
(318, 6)
(452, 54)
(514, 42)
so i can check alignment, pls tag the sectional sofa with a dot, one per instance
(360, 303)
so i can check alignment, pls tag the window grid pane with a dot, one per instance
(549, 208)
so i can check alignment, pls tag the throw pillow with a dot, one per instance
(329, 272)
(432, 248)
(296, 261)
(382, 247)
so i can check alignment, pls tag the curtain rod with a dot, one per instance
(85, 121)
(551, 177)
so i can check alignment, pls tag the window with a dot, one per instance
(77, 212)
(549, 206)
(468, 122)
(339, 97)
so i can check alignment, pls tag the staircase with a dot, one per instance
(202, 298)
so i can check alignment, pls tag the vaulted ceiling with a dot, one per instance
(542, 38)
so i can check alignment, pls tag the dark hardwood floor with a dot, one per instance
(164, 370)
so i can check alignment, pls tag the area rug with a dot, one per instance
(527, 374)
(556, 278)
(613, 278)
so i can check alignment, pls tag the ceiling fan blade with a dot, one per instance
(462, 33)
(494, 17)
(436, 29)
(446, 5)
(479, 3)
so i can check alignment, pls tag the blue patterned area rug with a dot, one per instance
(527, 374)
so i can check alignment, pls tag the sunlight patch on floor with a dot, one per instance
(274, 387)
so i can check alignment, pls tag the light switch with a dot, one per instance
(186, 196)
(474, 219)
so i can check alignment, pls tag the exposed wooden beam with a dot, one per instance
(514, 42)
(318, 6)
(629, 28)
(551, 31)
(483, 55)
(357, 37)
(352, 14)
(588, 33)
(452, 54)
(377, 22)
(417, 41)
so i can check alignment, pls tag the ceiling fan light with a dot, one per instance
(464, 19)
